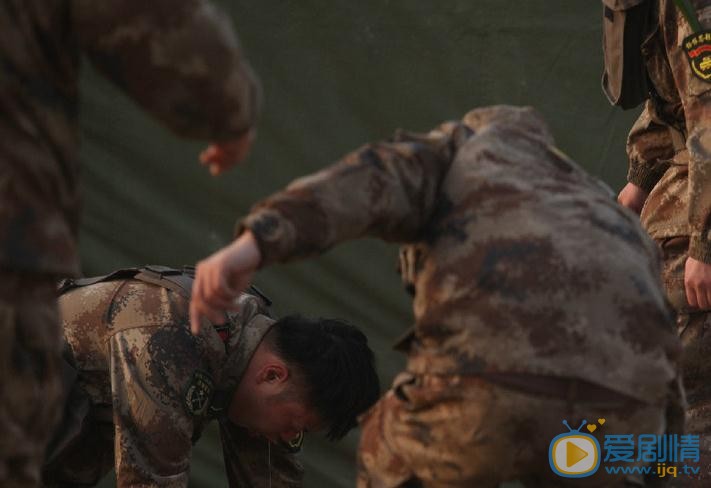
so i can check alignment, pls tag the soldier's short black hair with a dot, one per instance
(337, 366)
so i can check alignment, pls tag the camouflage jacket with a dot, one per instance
(669, 146)
(526, 263)
(179, 59)
(139, 364)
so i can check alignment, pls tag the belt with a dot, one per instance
(571, 389)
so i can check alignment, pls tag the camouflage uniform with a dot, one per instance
(537, 298)
(180, 60)
(669, 150)
(142, 393)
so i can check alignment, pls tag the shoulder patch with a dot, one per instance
(698, 50)
(198, 393)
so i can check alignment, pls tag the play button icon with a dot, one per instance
(574, 455)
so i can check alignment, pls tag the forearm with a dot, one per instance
(697, 109)
(386, 190)
(699, 145)
(180, 60)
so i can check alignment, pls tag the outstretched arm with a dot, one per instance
(220, 278)
(387, 190)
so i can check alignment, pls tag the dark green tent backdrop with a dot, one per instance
(337, 74)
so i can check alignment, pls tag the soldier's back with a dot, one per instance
(531, 266)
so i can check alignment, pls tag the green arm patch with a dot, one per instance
(198, 393)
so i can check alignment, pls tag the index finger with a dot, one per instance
(194, 318)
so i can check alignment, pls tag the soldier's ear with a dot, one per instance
(274, 373)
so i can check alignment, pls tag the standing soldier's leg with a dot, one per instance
(29, 375)
(693, 329)
(695, 333)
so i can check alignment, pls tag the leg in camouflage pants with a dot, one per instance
(695, 333)
(693, 328)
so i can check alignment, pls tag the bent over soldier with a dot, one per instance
(537, 298)
(181, 61)
(140, 388)
(658, 52)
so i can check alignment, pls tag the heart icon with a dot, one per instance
(592, 428)
(601, 421)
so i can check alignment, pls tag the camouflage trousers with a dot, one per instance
(695, 334)
(456, 432)
(29, 375)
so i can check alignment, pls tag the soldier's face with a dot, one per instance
(278, 419)
(283, 421)
(269, 403)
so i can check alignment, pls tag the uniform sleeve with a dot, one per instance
(387, 190)
(151, 372)
(695, 94)
(179, 59)
(250, 461)
(649, 149)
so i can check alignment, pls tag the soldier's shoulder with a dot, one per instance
(513, 118)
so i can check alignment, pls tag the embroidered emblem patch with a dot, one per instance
(698, 49)
(198, 393)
